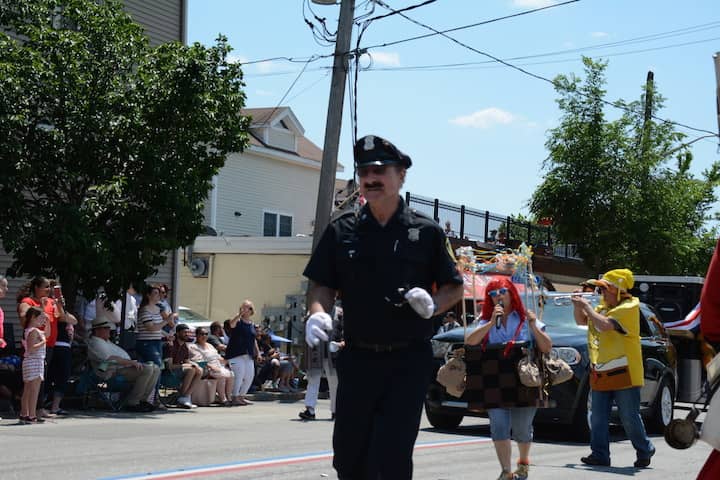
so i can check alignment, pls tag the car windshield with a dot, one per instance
(558, 315)
(187, 315)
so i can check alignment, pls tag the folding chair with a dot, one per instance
(94, 390)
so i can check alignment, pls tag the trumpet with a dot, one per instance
(566, 299)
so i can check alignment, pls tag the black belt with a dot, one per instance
(380, 347)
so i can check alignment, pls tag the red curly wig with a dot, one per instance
(515, 302)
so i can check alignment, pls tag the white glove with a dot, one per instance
(421, 301)
(315, 328)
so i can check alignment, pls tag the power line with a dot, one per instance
(493, 64)
(534, 75)
(289, 89)
(463, 27)
(327, 73)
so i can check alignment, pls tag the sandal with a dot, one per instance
(24, 420)
(35, 419)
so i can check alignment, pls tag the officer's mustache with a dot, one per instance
(373, 185)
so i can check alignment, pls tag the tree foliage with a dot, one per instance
(622, 189)
(107, 146)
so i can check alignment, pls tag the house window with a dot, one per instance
(277, 225)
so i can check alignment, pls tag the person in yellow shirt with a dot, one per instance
(616, 366)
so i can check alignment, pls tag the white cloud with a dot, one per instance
(485, 118)
(599, 34)
(388, 59)
(266, 67)
(533, 3)
(236, 58)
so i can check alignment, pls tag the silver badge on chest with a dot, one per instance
(413, 234)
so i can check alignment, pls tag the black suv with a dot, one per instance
(571, 398)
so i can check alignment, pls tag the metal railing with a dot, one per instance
(482, 225)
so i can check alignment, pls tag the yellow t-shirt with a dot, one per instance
(611, 348)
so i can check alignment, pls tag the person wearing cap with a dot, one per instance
(108, 359)
(449, 322)
(394, 270)
(188, 371)
(616, 365)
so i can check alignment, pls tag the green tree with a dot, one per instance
(622, 189)
(107, 146)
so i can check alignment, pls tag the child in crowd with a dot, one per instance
(33, 363)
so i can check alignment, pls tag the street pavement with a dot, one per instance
(268, 441)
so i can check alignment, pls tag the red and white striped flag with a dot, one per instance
(690, 322)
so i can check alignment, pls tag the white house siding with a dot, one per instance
(251, 184)
(283, 139)
(161, 19)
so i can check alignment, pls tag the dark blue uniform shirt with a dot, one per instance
(367, 263)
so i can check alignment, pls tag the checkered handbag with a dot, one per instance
(492, 380)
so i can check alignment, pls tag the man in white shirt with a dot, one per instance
(108, 360)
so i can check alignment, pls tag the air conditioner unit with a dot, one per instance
(199, 267)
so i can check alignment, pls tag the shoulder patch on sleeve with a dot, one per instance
(450, 250)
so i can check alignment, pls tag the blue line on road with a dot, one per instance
(269, 462)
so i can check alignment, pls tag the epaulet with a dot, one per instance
(419, 214)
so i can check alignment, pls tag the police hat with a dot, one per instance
(374, 150)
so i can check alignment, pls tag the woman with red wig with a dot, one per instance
(505, 319)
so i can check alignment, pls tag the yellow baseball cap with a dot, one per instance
(620, 278)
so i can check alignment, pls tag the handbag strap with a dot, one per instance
(508, 345)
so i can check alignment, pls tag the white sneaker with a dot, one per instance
(184, 402)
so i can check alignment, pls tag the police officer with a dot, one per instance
(383, 261)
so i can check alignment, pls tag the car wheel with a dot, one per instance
(663, 407)
(443, 421)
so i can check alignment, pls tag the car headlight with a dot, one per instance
(569, 354)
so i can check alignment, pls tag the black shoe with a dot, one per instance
(643, 462)
(147, 406)
(138, 408)
(306, 415)
(594, 461)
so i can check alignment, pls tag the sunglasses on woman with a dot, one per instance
(499, 291)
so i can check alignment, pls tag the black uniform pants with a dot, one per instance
(379, 402)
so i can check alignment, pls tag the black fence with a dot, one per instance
(481, 225)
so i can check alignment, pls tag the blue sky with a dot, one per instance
(476, 133)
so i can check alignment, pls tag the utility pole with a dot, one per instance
(649, 90)
(333, 123)
(716, 58)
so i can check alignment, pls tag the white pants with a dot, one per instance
(314, 375)
(244, 369)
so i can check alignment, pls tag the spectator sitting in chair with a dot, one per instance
(190, 372)
(268, 365)
(217, 337)
(108, 360)
(203, 351)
